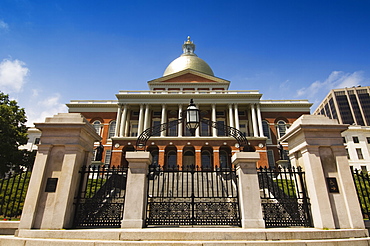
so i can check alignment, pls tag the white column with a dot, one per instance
(259, 120)
(118, 120)
(236, 114)
(123, 121)
(147, 117)
(141, 120)
(179, 130)
(231, 117)
(198, 128)
(214, 119)
(163, 119)
(127, 124)
(254, 121)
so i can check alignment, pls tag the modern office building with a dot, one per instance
(348, 106)
(351, 106)
(122, 120)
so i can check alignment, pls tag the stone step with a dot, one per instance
(189, 236)
(13, 241)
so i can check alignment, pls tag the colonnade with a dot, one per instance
(144, 121)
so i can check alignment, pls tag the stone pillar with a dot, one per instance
(315, 143)
(136, 189)
(67, 142)
(249, 191)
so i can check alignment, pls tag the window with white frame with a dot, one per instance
(97, 126)
(206, 160)
(281, 127)
(359, 154)
(107, 157)
(112, 129)
(243, 127)
(134, 129)
(266, 129)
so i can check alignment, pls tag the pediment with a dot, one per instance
(189, 76)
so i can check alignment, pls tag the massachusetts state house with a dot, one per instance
(120, 121)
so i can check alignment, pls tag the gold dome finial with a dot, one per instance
(188, 47)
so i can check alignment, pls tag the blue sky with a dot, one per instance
(52, 51)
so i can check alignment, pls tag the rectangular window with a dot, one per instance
(270, 157)
(344, 140)
(204, 129)
(156, 125)
(368, 140)
(37, 140)
(220, 113)
(243, 127)
(134, 129)
(355, 139)
(359, 154)
(172, 131)
(348, 157)
(220, 129)
(107, 157)
(363, 168)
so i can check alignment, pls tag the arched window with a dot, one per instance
(124, 162)
(154, 151)
(225, 157)
(266, 129)
(172, 159)
(97, 126)
(206, 160)
(188, 158)
(281, 127)
(112, 129)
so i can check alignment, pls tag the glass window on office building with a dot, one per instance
(359, 154)
(355, 139)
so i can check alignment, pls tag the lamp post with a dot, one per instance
(192, 117)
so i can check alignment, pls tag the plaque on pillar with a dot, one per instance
(332, 185)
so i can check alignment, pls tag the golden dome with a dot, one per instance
(188, 60)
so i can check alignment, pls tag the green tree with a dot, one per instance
(13, 133)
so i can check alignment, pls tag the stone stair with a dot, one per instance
(188, 236)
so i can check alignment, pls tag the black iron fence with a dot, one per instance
(192, 196)
(13, 189)
(284, 198)
(362, 184)
(101, 197)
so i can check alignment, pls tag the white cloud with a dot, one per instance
(337, 79)
(48, 107)
(3, 25)
(12, 75)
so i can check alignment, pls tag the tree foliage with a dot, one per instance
(13, 133)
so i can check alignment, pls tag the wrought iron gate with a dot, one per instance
(362, 185)
(284, 198)
(101, 197)
(192, 197)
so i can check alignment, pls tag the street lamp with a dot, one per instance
(192, 117)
